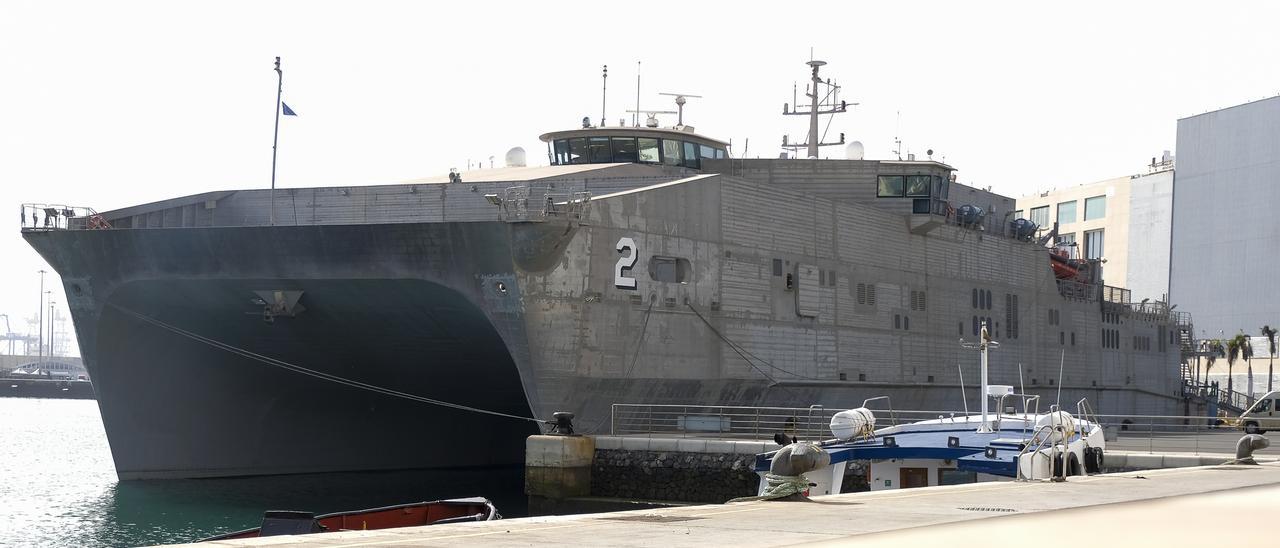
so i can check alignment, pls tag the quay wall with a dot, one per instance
(672, 476)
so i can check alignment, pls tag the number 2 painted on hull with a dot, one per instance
(621, 281)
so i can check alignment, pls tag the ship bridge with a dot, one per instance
(677, 147)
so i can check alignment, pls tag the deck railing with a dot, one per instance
(539, 204)
(59, 217)
(1144, 433)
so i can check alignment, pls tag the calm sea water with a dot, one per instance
(58, 487)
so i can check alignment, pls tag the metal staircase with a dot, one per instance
(1205, 392)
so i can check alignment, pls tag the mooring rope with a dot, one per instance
(778, 487)
(313, 373)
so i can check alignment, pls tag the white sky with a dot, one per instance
(109, 104)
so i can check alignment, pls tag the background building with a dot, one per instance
(1125, 221)
(1226, 228)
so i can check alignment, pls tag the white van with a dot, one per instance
(1263, 415)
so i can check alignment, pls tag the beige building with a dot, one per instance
(1124, 221)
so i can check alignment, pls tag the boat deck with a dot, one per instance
(1137, 508)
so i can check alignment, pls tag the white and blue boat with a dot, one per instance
(1007, 445)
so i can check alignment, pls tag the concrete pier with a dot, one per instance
(1135, 508)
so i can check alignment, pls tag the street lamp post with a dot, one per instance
(40, 326)
(51, 323)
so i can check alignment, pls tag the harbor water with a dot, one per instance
(58, 487)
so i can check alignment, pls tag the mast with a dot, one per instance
(813, 109)
(275, 141)
(604, 88)
(982, 346)
(635, 118)
(821, 101)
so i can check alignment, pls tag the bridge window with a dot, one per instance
(649, 150)
(890, 186)
(619, 149)
(691, 155)
(598, 150)
(671, 152)
(578, 150)
(917, 185)
(562, 151)
(624, 150)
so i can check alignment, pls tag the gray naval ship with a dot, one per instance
(300, 330)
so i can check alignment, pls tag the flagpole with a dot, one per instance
(275, 140)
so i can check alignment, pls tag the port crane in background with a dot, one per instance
(11, 337)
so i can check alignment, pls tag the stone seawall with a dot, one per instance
(672, 476)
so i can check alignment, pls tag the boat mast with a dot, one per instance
(982, 346)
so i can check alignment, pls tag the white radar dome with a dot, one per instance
(515, 157)
(853, 151)
(853, 423)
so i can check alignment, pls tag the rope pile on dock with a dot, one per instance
(778, 487)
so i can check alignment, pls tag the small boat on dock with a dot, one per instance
(287, 522)
(1003, 445)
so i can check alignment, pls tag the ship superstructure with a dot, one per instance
(645, 265)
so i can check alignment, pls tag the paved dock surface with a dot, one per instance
(1154, 507)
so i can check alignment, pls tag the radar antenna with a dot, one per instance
(680, 101)
(651, 116)
(824, 98)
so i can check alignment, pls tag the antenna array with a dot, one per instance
(824, 98)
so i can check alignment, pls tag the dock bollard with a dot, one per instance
(558, 465)
(1247, 445)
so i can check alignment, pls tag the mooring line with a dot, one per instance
(311, 372)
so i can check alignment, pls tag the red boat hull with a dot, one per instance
(388, 517)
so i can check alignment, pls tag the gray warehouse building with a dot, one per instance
(1225, 251)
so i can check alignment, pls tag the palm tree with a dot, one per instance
(1235, 350)
(1246, 352)
(1270, 333)
(1233, 353)
(1212, 349)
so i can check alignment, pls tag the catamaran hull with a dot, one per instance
(233, 350)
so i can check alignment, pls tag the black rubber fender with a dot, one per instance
(1092, 460)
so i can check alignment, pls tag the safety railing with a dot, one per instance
(1043, 439)
(36, 217)
(1114, 294)
(762, 423)
(1141, 433)
(1216, 391)
(540, 204)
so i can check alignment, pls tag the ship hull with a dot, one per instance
(192, 381)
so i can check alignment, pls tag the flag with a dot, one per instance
(288, 111)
